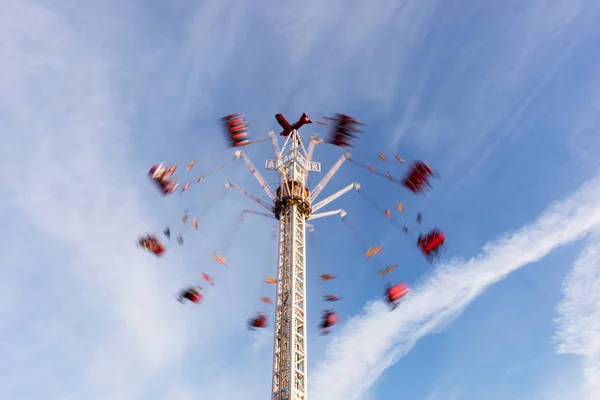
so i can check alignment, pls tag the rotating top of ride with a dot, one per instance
(293, 163)
(292, 189)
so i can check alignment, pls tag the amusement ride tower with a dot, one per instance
(293, 205)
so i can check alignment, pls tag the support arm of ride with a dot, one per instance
(335, 196)
(258, 176)
(314, 140)
(253, 197)
(277, 154)
(321, 185)
(339, 212)
(246, 211)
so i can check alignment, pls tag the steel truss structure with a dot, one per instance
(293, 204)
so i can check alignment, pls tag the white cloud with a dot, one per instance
(372, 342)
(66, 142)
(181, 393)
(579, 316)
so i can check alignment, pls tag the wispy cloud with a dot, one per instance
(579, 316)
(372, 342)
(488, 87)
(65, 144)
(308, 56)
(102, 322)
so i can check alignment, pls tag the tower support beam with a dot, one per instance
(289, 356)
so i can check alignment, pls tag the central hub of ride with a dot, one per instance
(292, 193)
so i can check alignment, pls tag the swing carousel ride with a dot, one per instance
(294, 205)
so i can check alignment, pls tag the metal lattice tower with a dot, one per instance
(293, 205)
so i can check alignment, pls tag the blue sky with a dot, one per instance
(501, 99)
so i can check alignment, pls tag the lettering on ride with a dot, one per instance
(313, 166)
(271, 164)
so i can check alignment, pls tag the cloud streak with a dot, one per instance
(372, 342)
(501, 72)
(579, 316)
(67, 140)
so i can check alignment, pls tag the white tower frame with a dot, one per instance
(292, 205)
